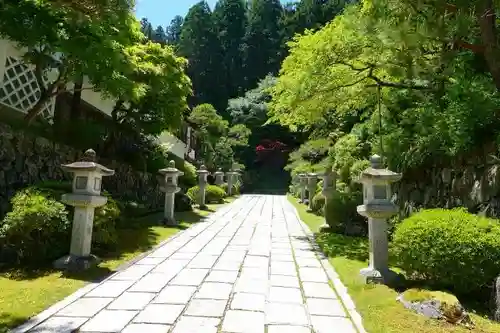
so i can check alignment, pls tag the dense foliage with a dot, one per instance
(233, 47)
(452, 248)
(436, 103)
(34, 222)
(213, 194)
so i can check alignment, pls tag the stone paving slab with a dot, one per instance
(251, 267)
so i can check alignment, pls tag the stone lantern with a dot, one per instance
(232, 177)
(377, 207)
(87, 180)
(328, 190)
(219, 177)
(312, 181)
(202, 183)
(169, 186)
(302, 186)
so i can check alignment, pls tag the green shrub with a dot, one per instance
(36, 230)
(60, 186)
(318, 203)
(450, 248)
(183, 202)
(190, 177)
(213, 194)
(236, 188)
(342, 212)
(106, 218)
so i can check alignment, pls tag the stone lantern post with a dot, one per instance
(302, 186)
(219, 177)
(169, 186)
(232, 177)
(377, 207)
(87, 180)
(202, 183)
(328, 190)
(312, 181)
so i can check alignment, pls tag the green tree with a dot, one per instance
(173, 30)
(91, 8)
(85, 46)
(372, 84)
(200, 45)
(209, 128)
(163, 102)
(159, 35)
(230, 23)
(251, 109)
(147, 28)
(263, 51)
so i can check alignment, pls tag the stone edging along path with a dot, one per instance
(250, 266)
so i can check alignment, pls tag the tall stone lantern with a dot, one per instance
(302, 186)
(219, 177)
(377, 207)
(312, 181)
(202, 183)
(328, 190)
(232, 178)
(87, 180)
(169, 186)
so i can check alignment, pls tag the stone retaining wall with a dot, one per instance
(476, 187)
(26, 160)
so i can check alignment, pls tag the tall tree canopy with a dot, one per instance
(90, 46)
(173, 30)
(263, 52)
(437, 104)
(200, 45)
(230, 25)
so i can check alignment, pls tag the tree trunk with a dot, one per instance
(37, 108)
(486, 18)
(76, 113)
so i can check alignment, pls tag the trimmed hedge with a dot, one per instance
(236, 188)
(213, 194)
(36, 230)
(450, 248)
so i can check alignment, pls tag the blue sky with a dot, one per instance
(161, 12)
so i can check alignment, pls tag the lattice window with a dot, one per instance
(20, 90)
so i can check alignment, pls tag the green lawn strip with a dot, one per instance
(24, 294)
(377, 303)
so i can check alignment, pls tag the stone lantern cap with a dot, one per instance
(88, 163)
(203, 170)
(219, 172)
(171, 170)
(377, 173)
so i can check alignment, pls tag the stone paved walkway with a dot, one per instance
(250, 267)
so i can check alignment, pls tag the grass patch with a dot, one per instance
(377, 303)
(25, 293)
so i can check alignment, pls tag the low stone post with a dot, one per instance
(232, 178)
(302, 186)
(169, 186)
(202, 184)
(219, 177)
(87, 180)
(377, 207)
(312, 181)
(328, 190)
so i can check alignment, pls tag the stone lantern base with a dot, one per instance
(171, 222)
(74, 263)
(387, 277)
